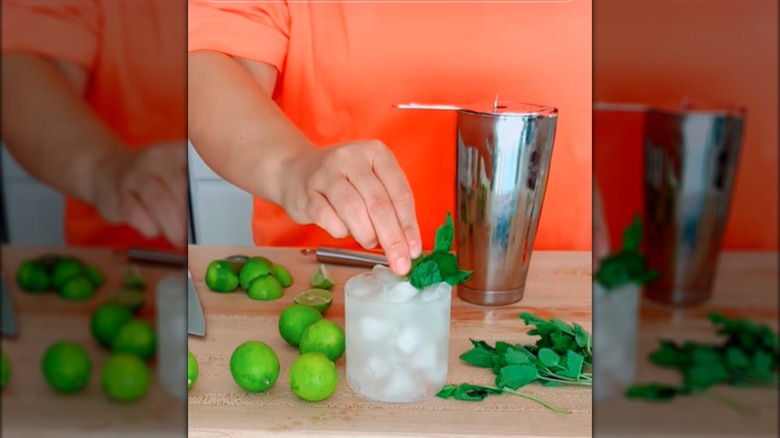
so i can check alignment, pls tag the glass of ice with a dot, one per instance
(614, 339)
(397, 345)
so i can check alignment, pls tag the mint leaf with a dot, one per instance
(444, 236)
(515, 376)
(632, 236)
(516, 356)
(425, 274)
(548, 357)
(628, 265)
(654, 392)
(479, 356)
(574, 363)
(447, 392)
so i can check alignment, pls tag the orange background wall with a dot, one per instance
(659, 51)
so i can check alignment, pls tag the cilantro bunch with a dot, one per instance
(562, 355)
(748, 356)
(440, 265)
(628, 265)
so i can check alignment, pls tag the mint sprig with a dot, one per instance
(440, 265)
(628, 265)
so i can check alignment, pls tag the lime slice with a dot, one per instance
(320, 299)
(131, 299)
(321, 279)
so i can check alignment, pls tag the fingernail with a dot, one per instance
(403, 265)
(415, 248)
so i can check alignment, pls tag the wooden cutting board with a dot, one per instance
(29, 406)
(559, 285)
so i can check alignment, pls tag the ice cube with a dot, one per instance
(383, 275)
(425, 357)
(374, 329)
(398, 293)
(400, 385)
(360, 286)
(409, 339)
(436, 292)
(376, 368)
(436, 374)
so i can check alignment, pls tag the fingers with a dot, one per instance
(324, 216)
(395, 183)
(384, 221)
(135, 215)
(350, 207)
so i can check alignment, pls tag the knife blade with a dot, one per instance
(141, 255)
(8, 324)
(346, 257)
(196, 324)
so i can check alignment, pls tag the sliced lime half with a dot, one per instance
(321, 279)
(320, 299)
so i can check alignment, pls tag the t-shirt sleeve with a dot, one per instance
(66, 30)
(253, 30)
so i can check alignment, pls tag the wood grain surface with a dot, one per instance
(559, 285)
(746, 285)
(30, 407)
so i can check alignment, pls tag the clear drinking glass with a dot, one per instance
(616, 316)
(397, 338)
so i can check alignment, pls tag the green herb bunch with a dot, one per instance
(748, 356)
(562, 355)
(628, 265)
(440, 265)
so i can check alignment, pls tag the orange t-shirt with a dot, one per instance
(135, 54)
(343, 65)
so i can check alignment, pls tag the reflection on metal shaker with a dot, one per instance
(504, 154)
(690, 161)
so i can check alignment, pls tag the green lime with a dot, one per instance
(254, 366)
(192, 370)
(253, 268)
(66, 366)
(313, 377)
(106, 322)
(320, 299)
(324, 336)
(283, 275)
(5, 370)
(131, 299)
(77, 288)
(294, 320)
(65, 269)
(94, 275)
(265, 288)
(133, 279)
(321, 279)
(32, 276)
(136, 337)
(125, 377)
(221, 276)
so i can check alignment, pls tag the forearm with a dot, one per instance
(235, 125)
(50, 129)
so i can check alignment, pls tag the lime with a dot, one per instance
(265, 288)
(94, 275)
(294, 320)
(32, 276)
(5, 370)
(254, 366)
(192, 370)
(66, 366)
(130, 299)
(106, 322)
(77, 288)
(321, 279)
(125, 377)
(65, 269)
(135, 337)
(283, 275)
(313, 377)
(320, 299)
(221, 276)
(133, 279)
(253, 268)
(324, 337)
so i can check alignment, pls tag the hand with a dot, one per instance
(354, 188)
(600, 233)
(145, 188)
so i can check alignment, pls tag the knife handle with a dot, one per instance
(350, 258)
